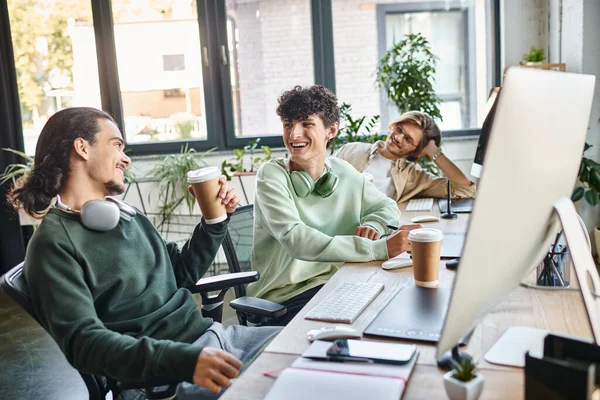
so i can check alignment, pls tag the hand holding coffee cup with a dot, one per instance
(398, 242)
(209, 188)
(426, 244)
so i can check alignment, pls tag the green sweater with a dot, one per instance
(113, 301)
(299, 243)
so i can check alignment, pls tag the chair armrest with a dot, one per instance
(225, 281)
(258, 307)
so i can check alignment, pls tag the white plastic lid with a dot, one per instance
(203, 174)
(425, 235)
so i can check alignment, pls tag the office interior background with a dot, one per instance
(207, 73)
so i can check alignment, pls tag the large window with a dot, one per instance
(47, 50)
(209, 72)
(160, 70)
(271, 50)
(460, 35)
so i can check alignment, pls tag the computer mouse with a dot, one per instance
(424, 218)
(332, 332)
(400, 261)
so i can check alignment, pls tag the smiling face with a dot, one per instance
(306, 140)
(403, 140)
(107, 161)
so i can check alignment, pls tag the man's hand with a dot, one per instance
(230, 198)
(215, 368)
(367, 232)
(398, 242)
(429, 150)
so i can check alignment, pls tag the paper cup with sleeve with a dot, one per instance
(206, 186)
(426, 244)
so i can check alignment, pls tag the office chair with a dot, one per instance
(238, 251)
(14, 285)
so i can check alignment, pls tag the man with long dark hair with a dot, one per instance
(112, 296)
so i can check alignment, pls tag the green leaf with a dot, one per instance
(577, 194)
(591, 196)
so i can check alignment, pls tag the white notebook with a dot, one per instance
(316, 378)
(300, 384)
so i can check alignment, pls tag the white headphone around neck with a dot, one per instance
(101, 215)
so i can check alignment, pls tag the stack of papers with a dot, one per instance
(313, 377)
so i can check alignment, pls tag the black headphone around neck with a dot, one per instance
(101, 215)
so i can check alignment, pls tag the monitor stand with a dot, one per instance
(516, 341)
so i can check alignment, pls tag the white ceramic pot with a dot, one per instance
(458, 390)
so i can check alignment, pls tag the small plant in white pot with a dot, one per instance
(462, 382)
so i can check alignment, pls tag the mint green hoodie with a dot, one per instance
(299, 243)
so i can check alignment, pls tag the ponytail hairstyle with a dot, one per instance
(51, 166)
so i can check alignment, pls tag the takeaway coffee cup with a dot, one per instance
(205, 182)
(426, 244)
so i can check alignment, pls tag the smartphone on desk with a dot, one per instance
(378, 352)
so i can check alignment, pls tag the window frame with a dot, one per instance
(493, 49)
(212, 23)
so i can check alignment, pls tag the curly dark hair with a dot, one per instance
(51, 165)
(300, 103)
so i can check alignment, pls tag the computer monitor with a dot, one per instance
(533, 155)
(484, 136)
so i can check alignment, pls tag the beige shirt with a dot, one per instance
(410, 180)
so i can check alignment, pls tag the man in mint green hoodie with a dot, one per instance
(313, 213)
(111, 292)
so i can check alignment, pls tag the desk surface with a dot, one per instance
(557, 311)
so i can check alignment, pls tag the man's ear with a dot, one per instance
(333, 131)
(81, 148)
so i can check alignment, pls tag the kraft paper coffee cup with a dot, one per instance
(426, 244)
(205, 182)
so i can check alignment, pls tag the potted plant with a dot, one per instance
(535, 56)
(462, 382)
(239, 165)
(358, 129)
(14, 173)
(171, 173)
(589, 178)
(407, 73)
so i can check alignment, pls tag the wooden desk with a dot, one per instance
(557, 311)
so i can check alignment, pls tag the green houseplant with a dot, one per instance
(589, 189)
(462, 382)
(239, 163)
(535, 55)
(14, 172)
(407, 73)
(359, 129)
(170, 173)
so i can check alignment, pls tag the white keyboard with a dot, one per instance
(346, 302)
(424, 204)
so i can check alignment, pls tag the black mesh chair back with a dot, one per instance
(14, 285)
(238, 243)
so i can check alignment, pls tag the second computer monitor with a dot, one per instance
(532, 160)
(484, 135)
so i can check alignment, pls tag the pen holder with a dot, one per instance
(555, 268)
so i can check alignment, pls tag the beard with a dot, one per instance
(113, 187)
